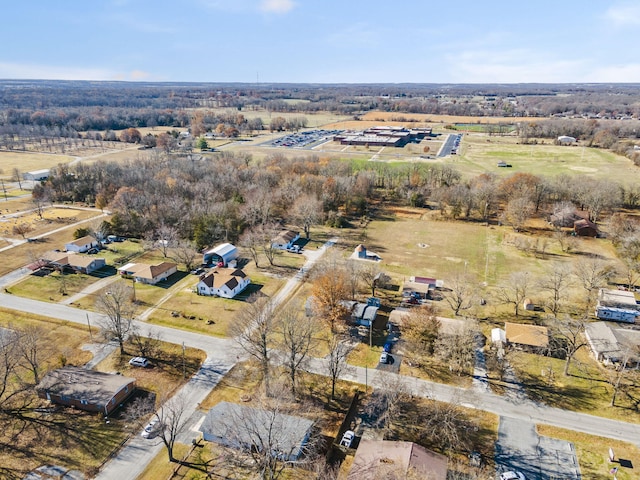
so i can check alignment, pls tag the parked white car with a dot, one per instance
(512, 476)
(139, 362)
(347, 438)
(152, 429)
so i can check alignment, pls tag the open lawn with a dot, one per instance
(65, 437)
(166, 372)
(593, 454)
(53, 287)
(28, 161)
(27, 253)
(479, 153)
(584, 390)
(52, 218)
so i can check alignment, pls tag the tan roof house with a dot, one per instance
(396, 460)
(72, 261)
(150, 274)
(529, 336)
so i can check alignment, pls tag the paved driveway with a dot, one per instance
(539, 458)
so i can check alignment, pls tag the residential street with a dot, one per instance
(221, 356)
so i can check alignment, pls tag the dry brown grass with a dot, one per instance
(26, 253)
(28, 161)
(70, 438)
(593, 453)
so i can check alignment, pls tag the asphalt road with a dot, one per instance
(222, 355)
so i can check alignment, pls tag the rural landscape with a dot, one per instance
(336, 281)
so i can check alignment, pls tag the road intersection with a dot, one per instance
(222, 355)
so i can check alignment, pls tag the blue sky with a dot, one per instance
(322, 41)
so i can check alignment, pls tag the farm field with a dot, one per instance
(28, 161)
(479, 153)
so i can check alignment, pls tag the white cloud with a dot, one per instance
(277, 6)
(624, 15)
(50, 72)
(629, 73)
(513, 66)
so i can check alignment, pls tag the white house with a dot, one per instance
(223, 253)
(81, 245)
(285, 240)
(223, 282)
(149, 274)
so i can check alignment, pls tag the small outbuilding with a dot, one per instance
(85, 389)
(221, 255)
(37, 175)
(585, 228)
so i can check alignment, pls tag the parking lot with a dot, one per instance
(450, 145)
(304, 139)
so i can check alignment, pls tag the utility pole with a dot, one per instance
(184, 365)
(89, 324)
(5, 191)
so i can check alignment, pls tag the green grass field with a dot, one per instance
(480, 153)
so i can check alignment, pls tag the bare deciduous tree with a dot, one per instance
(458, 350)
(261, 435)
(518, 211)
(296, 342)
(146, 344)
(32, 344)
(420, 327)
(370, 273)
(253, 331)
(569, 334)
(592, 273)
(118, 309)
(306, 212)
(460, 293)
(172, 419)
(184, 251)
(555, 284)
(516, 291)
(336, 360)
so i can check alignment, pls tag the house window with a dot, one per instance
(84, 401)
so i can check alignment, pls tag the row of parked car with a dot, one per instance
(302, 139)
